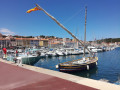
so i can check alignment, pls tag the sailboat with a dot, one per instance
(85, 63)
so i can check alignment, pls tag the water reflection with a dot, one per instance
(87, 73)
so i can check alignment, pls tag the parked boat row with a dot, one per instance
(32, 55)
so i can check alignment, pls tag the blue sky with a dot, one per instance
(103, 18)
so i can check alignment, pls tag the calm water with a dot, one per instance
(108, 65)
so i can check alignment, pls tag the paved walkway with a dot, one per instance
(16, 78)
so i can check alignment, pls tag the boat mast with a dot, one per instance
(62, 27)
(85, 31)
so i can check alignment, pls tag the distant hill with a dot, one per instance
(108, 40)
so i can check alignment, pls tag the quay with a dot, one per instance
(13, 77)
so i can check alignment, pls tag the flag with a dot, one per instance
(33, 9)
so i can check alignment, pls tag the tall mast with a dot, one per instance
(85, 31)
(62, 26)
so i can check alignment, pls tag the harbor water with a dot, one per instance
(108, 67)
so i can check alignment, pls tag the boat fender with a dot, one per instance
(96, 63)
(87, 67)
(57, 66)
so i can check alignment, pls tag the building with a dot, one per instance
(55, 42)
(27, 42)
(1, 36)
(4, 43)
(43, 43)
(34, 42)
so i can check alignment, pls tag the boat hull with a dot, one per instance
(26, 60)
(30, 60)
(77, 67)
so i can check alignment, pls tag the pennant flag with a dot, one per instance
(33, 9)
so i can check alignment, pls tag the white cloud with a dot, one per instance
(6, 31)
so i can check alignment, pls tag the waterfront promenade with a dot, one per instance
(13, 77)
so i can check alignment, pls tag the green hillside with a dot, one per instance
(108, 40)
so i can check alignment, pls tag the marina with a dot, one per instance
(107, 68)
(37, 52)
(31, 77)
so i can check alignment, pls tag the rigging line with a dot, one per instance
(82, 2)
(72, 16)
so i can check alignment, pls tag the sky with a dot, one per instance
(103, 18)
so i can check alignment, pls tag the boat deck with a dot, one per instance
(13, 77)
(88, 60)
